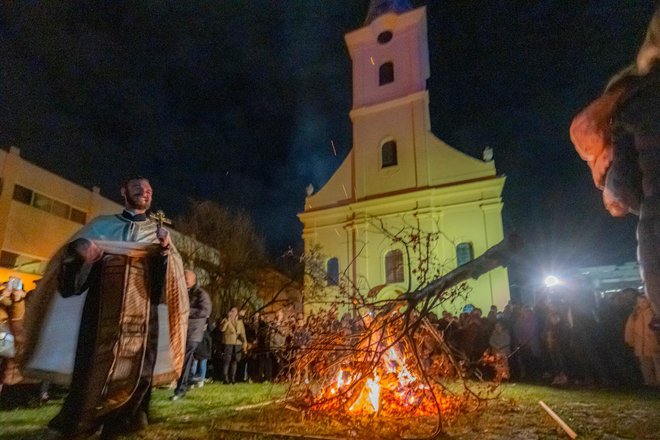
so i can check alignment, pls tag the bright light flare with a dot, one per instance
(551, 281)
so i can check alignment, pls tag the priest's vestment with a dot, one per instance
(109, 329)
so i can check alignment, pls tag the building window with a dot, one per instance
(60, 209)
(464, 253)
(388, 154)
(42, 202)
(386, 73)
(332, 272)
(45, 203)
(8, 259)
(394, 266)
(78, 216)
(384, 37)
(22, 194)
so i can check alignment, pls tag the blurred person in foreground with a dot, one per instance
(645, 343)
(618, 134)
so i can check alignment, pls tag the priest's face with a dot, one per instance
(137, 195)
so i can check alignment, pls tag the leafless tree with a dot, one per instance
(228, 250)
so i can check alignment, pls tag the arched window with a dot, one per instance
(386, 73)
(464, 253)
(394, 266)
(332, 272)
(388, 154)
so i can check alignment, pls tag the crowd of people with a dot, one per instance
(566, 338)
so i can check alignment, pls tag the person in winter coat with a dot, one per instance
(200, 310)
(203, 353)
(500, 347)
(618, 134)
(645, 342)
(235, 342)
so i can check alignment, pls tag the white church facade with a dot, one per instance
(399, 177)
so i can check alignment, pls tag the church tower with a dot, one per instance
(398, 175)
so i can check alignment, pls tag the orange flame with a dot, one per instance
(368, 400)
(393, 389)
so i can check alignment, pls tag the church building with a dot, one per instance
(399, 179)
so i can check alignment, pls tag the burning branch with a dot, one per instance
(396, 364)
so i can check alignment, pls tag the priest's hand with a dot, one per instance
(163, 236)
(88, 251)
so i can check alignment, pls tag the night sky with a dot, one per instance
(239, 101)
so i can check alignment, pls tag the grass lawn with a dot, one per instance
(210, 413)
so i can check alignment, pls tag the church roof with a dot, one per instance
(381, 7)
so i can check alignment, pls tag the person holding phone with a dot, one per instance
(235, 341)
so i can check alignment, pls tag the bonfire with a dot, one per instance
(397, 366)
(377, 375)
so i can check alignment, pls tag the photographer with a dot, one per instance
(12, 312)
(235, 341)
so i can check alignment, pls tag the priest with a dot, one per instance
(109, 319)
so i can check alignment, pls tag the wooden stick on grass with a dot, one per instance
(567, 429)
(281, 434)
(259, 405)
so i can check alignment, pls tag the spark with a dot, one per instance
(372, 61)
(334, 150)
(344, 188)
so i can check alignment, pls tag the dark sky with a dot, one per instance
(238, 102)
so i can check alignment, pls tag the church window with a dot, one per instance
(332, 272)
(386, 73)
(388, 154)
(464, 253)
(394, 266)
(384, 37)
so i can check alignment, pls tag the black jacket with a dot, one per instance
(200, 310)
